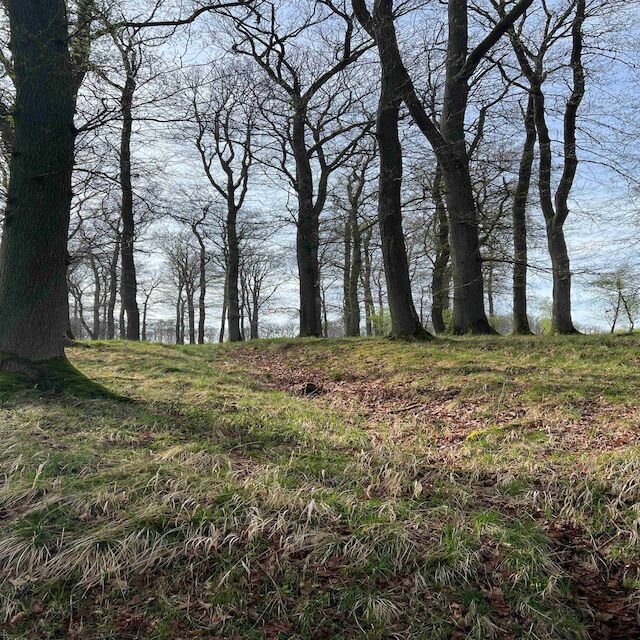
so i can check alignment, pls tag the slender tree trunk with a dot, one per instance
(191, 314)
(519, 214)
(178, 313)
(346, 274)
(325, 317)
(224, 313)
(202, 310)
(255, 333)
(490, 296)
(128, 284)
(307, 236)
(123, 323)
(33, 251)
(233, 274)
(404, 318)
(183, 306)
(96, 298)
(145, 308)
(355, 272)
(439, 277)
(366, 285)
(113, 290)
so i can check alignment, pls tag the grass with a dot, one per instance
(464, 488)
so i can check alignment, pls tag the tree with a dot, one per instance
(447, 138)
(274, 46)
(519, 219)
(224, 114)
(33, 252)
(620, 291)
(555, 207)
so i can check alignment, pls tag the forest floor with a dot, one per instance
(465, 488)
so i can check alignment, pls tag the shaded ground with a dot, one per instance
(473, 488)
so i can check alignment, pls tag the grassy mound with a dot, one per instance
(462, 488)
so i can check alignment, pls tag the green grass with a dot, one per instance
(452, 489)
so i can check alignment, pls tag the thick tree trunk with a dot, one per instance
(33, 252)
(307, 236)
(439, 277)
(233, 274)
(466, 262)
(128, 284)
(561, 317)
(519, 214)
(405, 322)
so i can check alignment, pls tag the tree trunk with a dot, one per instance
(113, 291)
(255, 333)
(307, 236)
(123, 323)
(144, 319)
(178, 313)
(128, 284)
(33, 252)
(439, 277)
(490, 296)
(346, 275)
(519, 214)
(224, 313)
(233, 274)
(404, 318)
(366, 284)
(191, 315)
(355, 271)
(202, 310)
(96, 299)
(561, 317)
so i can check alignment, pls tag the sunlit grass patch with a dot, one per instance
(217, 503)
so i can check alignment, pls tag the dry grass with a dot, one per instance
(462, 489)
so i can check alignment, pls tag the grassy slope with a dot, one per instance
(470, 488)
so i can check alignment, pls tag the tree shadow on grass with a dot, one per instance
(51, 377)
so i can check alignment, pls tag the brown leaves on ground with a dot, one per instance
(410, 412)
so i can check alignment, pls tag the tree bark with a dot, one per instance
(405, 322)
(439, 277)
(33, 252)
(519, 214)
(366, 284)
(113, 290)
(224, 313)
(307, 235)
(353, 256)
(202, 296)
(233, 274)
(97, 292)
(128, 284)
